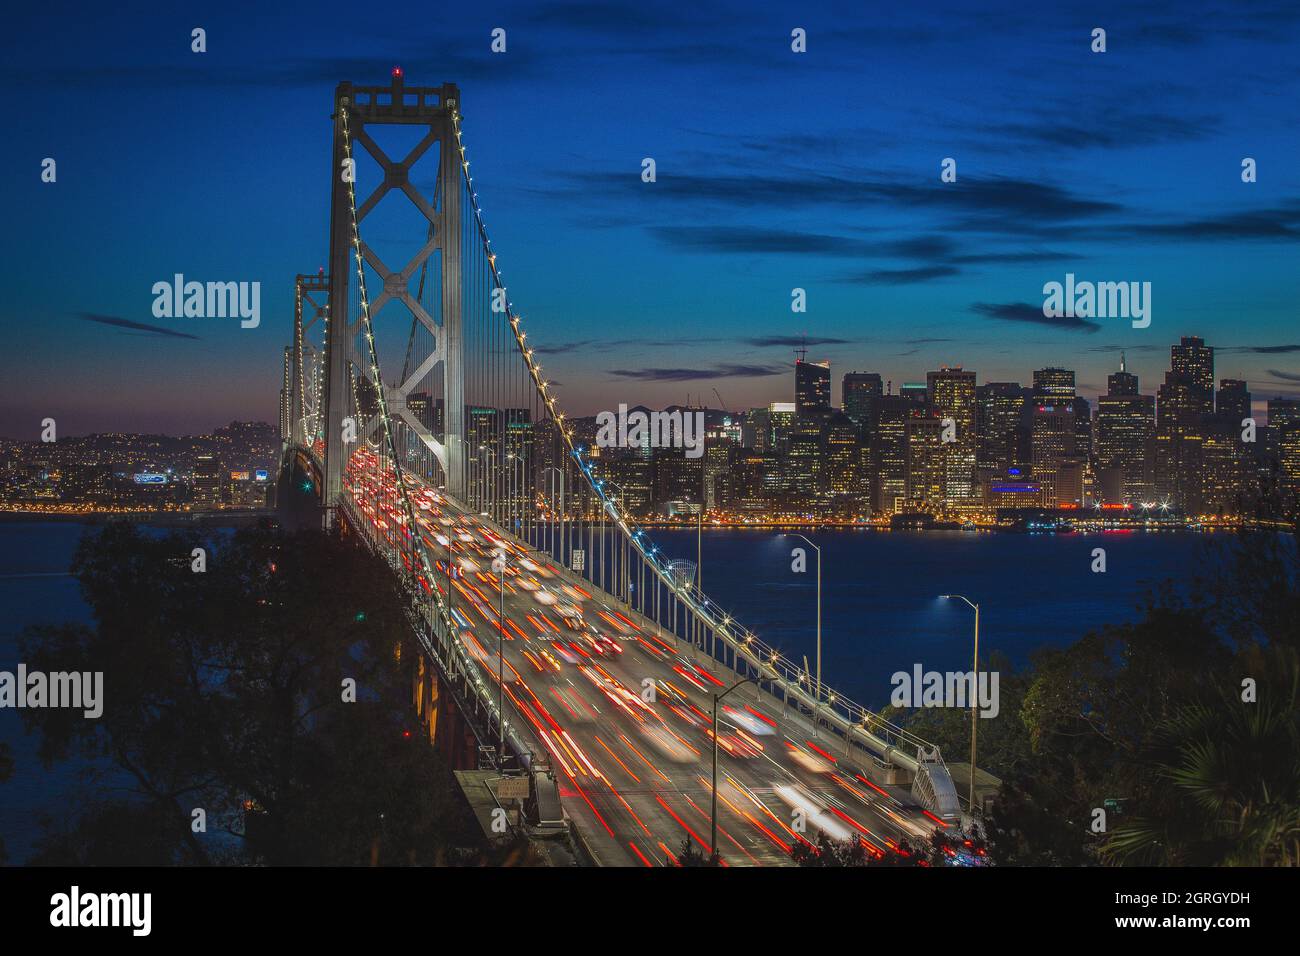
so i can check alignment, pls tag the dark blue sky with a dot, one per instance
(775, 170)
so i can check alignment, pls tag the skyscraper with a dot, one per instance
(952, 397)
(1184, 404)
(780, 418)
(858, 391)
(1053, 447)
(802, 465)
(1123, 382)
(812, 387)
(839, 448)
(998, 407)
(1054, 436)
(1233, 401)
(888, 452)
(1284, 442)
(916, 393)
(925, 464)
(1126, 424)
(1192, 363)
(1053, 387)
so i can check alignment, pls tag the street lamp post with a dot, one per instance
(447, 529)
(560, 472)
(499, 565)
(621, 579)
(490, 489)
(974, 704)
(713, 816)
(819, 611)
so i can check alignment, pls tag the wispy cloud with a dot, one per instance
(120, 323)
(905, 276)
(1033, 314)
(721, 370)
(794, 341)
(1260, 349)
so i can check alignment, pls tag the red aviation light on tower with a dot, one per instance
(397, 72)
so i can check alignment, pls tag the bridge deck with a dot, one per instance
(634, 769)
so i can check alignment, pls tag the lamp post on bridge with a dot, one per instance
(447, 530)
(499, 564)
(482, 450)
(819, 613)
(559, 471)
(621, 583)
(974, 705)
(510, 491)
(713, 815)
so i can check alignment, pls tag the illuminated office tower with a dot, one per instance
(917, 394)
(1053, 387)
(925, 464)
(1126, 424)
(803, 466)
(839, 451)
(859, 390)
(1192, 362)
(1284, 445)
(749, 486)
(1123, 382)
(1184, 404)
(1052, 400)
(1053, 444)
(998, 408)
(888, 453)
(781, 420)
(677, 477)
(1232, 404)
(207, 481)
(757, 429)
(1228, 464)
(952, 396)
(812, 387)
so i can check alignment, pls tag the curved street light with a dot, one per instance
(974, 705)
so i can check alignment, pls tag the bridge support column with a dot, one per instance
(441, 716)
(436, 109)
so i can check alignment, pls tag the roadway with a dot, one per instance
(624, 709)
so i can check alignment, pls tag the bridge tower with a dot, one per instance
(434, 108)
(308, 290)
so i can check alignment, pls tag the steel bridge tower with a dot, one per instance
(432, 107)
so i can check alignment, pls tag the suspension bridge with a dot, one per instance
(557, 644)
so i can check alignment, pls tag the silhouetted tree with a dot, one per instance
(688, 855)
(223, 691)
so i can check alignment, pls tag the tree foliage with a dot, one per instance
(1149, 722)
(223, 691)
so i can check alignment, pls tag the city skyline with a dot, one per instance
(914, 375)
(763, 187)
(951, 448)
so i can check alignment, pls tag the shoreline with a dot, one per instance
(171, 519)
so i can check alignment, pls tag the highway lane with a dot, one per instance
(625, 716)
